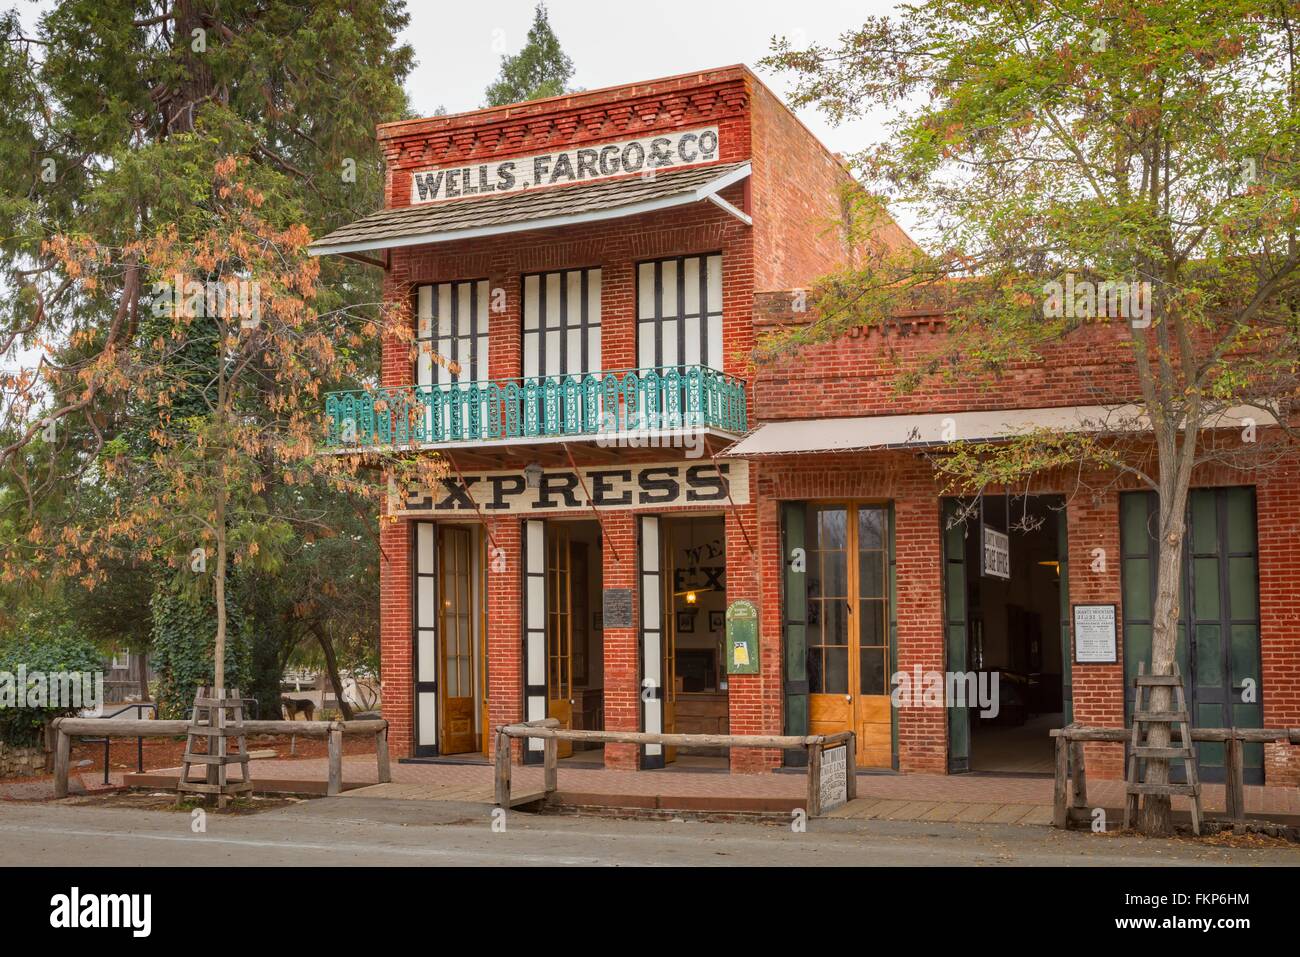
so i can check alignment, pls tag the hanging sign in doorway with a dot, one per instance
(742, 638)
(997, 553)
(1094, 635)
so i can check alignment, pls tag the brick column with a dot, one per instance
(1092, 527)
(753, 701)
(622, 645)
(1277, 504)
(395, 651)
(504, 638)
(922, 731)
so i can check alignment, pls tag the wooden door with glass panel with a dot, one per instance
(559, 631)
(848, 637)
(456, 640)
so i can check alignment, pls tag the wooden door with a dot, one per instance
(848, 628)
(456, 640)
(559, 631)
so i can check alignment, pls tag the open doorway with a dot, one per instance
(1014, 612)
(574, 661)
(695, 607)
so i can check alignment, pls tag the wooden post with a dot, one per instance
(381, 757)
(1060, 810)
(1078, 779)
(335, 784)
(550, 764)
(503, 770)
(851, 767)
(1235, 787)
(62, 755)
(814, 780)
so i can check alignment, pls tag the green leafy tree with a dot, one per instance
(539, 70)
(1146, 143)
(114, 115)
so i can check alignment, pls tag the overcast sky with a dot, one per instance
(459, 45)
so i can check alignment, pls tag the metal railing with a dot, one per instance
(590, 404)
(139, 741)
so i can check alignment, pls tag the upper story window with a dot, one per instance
(679, 312)
(562, 323)
(451, 321)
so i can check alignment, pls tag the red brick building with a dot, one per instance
(587, 276)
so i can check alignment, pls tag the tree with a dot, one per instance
(115, 114)
(539, 70)
(1152, 144)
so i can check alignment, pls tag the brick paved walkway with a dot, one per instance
(913, 796)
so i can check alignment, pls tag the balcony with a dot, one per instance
(555, 408)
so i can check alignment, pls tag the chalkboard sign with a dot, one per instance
(742, 638)
(618, 607)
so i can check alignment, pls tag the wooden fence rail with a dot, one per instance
(549, 730)
(65, 729)
(1069, 764)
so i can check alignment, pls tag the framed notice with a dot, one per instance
(1094, 635)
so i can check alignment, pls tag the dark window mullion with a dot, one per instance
(681, 311)
(705, 318)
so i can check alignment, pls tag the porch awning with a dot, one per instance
(535, 209)
(881, 432)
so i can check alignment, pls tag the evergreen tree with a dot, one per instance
(539, 70)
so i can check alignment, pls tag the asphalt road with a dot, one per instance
(362, 831)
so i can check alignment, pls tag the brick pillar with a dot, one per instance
(622, 645)
(922, 731)
(395, 651)
(505, 644)
(1092, 523)
(1277, 503)
(753, 701)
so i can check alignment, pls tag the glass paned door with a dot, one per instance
(847, 627)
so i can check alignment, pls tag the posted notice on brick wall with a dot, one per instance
(1094, 634)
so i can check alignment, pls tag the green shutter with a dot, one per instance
(954, 603)
(1220, 612)
(892, 558)
(794, 613)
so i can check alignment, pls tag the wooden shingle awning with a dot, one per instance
(535, 209)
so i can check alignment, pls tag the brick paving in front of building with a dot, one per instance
(929, 797)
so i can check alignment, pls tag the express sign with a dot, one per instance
(584, 164)
(563, 490)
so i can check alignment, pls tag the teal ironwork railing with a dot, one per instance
(621, 400)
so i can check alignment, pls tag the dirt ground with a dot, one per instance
(167, 752)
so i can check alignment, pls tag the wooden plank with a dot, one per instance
(1170, 789)
(62, 754)
(550, 765)
(335, 784)
(1148, 681)
(851, 766)
(502, 776)
(1236, 783)
(814, 780)
(670, 740)
(1060, 808)
(1078, 780)
(382, 759)
(136, 728)
(1168, 753)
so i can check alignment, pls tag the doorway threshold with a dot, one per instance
(448, 759)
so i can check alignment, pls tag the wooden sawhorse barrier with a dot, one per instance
(65, 729)
(1070, 770)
